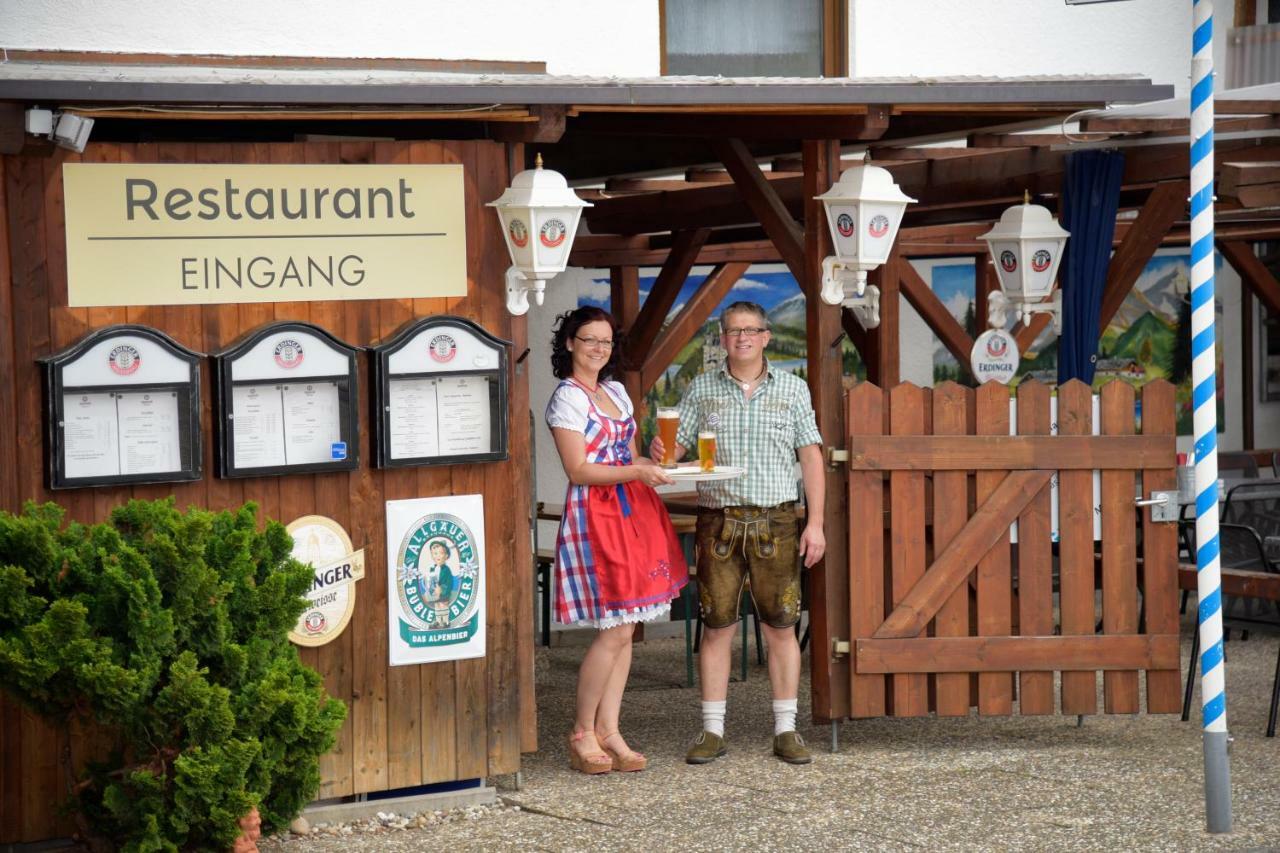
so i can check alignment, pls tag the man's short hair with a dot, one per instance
(744, 307)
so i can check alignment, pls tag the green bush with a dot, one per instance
(168, 632)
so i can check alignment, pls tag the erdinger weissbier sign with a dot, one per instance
(173, 234)
(325, 546)
(435, 579)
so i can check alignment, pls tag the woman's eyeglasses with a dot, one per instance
(749, 332)
(595, 342)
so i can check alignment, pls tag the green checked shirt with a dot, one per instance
(760, 435)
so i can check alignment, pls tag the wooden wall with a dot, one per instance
(407, 725)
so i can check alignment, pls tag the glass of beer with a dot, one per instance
(668, 425)
(707, 450)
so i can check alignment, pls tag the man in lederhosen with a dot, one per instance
(762, 418)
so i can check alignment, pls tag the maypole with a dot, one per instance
(1217, 771)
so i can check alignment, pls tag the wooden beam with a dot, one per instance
(1025, 336)
(869, 122)
(885, 338)
(1007, 452)
(953, 336)
(1245, 13)
(548, 126)
(624, 303)
(601, 255)
(13, 134)
(765, 203)
(857, 336)
(666, 288)
(690, 319)
(1253, 273)
(950, 568)
(828, 580)
(1013, 654)
(1246, 365)
(1164, 207)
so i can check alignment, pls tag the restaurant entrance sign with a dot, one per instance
(174, 234)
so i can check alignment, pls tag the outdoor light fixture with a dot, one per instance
(864, 209)
(1026, 245)
(539, 216)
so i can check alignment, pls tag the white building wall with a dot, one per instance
(930, 38)
(598, 37)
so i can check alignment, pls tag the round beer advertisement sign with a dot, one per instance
(324, 545)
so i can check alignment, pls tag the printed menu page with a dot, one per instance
(259, 426)
(312, 422)
(413, 431)
(464, 415)
(149, 432)
(90, 436)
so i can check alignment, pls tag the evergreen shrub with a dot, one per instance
(166, 634)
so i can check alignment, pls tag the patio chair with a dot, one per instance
(1241, 548)
(1242, 464)
(1257, 505)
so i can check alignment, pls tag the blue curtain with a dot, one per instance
(1091, 194)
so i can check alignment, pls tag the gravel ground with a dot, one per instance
(1020, 783)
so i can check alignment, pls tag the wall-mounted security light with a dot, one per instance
(67, 130)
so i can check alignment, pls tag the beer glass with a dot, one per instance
(707, 450)
(668, 425)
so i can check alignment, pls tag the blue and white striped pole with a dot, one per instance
(1217, 771)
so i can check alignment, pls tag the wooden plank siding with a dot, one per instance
(408, 725)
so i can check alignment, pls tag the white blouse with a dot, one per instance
(569, 405)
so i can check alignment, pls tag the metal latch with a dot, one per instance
(839, 647)
(836, 455)
(1163, 503)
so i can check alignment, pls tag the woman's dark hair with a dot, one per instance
(567, 326)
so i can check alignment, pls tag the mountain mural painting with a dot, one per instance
(771, 286)
(1148, 338)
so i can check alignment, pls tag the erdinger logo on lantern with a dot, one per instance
(1040, 260)
(552, 233)
(1008, 261)
(124, 360)
(288, 353)
(519, 233)
(878, 226)
(443, 348)
(844, 224)
(996, 347)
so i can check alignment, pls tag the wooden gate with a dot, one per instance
(947, 609)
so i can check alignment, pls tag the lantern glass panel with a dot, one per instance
(880, 226)
(1041, 258)
(518, 234)
(1008, 261)
(553, 236)
(842, 219)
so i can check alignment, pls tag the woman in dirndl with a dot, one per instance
(618, 561)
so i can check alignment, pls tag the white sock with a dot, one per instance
(713, 717)
(784, 715)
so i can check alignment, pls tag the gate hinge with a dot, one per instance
(839, 647)
(836, 455)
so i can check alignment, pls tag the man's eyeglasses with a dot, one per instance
(595, 342)
(748, 331)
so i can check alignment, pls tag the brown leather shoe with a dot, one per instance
(706, 748)
(789, 746)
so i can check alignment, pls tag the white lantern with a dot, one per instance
(1026, 247)
(864, 209)
(539, 216)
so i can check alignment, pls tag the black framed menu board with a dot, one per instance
(440, 394)
(122, 406)
(287, 403)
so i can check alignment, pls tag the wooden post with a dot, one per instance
(624, 300)
(1246, 362)
(829, 580)
(884, 338)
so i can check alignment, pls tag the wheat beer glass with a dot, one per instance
(707, 451)
(668, 425)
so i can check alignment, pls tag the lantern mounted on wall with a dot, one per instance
(539, 216)
(1026, 247)
(864, 209)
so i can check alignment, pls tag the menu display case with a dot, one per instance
(287, 403)
(440, 395)
(122, 406)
